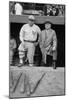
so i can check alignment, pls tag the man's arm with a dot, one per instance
(42, 39)
(54, 41)
(38, 36)
(39, 33)
(22, 33)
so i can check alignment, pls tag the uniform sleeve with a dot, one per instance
(15, 7)
(54, 41)
(38, 30)
(22, 33)
(40, 39)
(39, 33)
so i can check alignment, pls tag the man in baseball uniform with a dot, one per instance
(48, 43)
(28, 37)
(18, 9)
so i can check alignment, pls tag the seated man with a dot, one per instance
(12, 49)
(48, 43)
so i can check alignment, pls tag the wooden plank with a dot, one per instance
(39, 19)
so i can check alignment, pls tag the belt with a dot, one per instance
(29, 41)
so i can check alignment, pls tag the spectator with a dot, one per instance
(61, 11)
(57, 10)
(45, 10)
(54, 11)
(48, 10)
(12, 9)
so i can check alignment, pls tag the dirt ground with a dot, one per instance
(52, 84)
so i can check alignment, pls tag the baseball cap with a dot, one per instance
(31, 17)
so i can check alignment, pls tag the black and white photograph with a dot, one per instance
(36, 49)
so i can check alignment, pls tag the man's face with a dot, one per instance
(31, 22)
(47, 26)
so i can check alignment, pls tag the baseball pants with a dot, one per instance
(30, 51)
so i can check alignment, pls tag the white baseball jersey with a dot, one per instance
(18, 9)
(29, 32)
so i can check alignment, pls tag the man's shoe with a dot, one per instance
(20, 65)
(31, 65)
(54, 65)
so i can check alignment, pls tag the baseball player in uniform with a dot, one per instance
(28, 37)
(48, 43)
(18, 9)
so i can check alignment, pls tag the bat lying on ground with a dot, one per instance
(27, 86)
(36, 85)
(16, 83)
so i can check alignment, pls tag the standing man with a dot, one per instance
(18, 9)
(28, 37)
(48, 43)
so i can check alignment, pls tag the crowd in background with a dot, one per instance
(18, 8)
